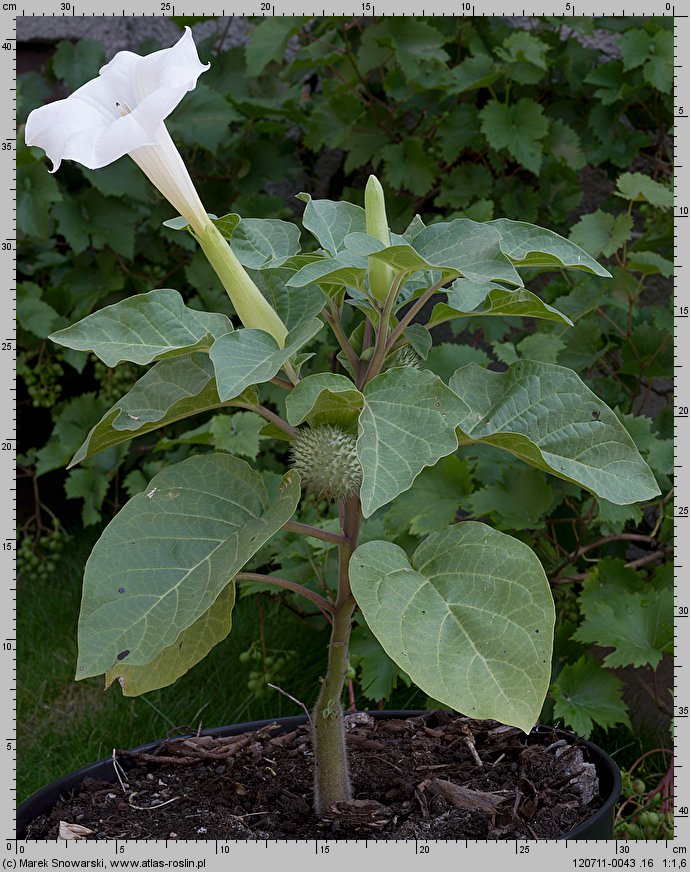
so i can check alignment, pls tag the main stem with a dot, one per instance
(331, 776)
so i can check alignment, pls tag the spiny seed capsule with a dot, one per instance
(405, 356)
(326, 459)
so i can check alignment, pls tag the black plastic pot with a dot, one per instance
(598, 826)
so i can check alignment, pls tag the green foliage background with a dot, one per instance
(459, 117)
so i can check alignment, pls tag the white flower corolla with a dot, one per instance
(123, 111)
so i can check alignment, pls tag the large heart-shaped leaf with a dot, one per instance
(467, 299)
(252, 357)
(293, 306)
(190, 647)
(456, 248)
(408, 422)
(344, 269)
(331, 221)
(472, 248)
(164, 559)
(546, 416)
(171, 390)
(529, 245)
(264, 242)
(469, 618)
(144, 328)
(324, 398)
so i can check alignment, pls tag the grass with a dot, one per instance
(64, 724)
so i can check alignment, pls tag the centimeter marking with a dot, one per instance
(339, 854)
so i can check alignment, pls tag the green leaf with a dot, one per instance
(612, 519)
(518, 128)
(91, 486)
(478, 71)
(238, 434)
(268, 41)
(408, 422)
(527, 56)
(324, 398)
(565, 145)
(585, 694)
(546, 416)
(166, 556)
(650, 263)
(110, 222)
(445, 358)
(77, 62)
(639, 628)
(544, 347)
(170, 391)
(69, 425)
(33, 313)
(378, 674)
(473, 249)
(460, 131)
(469, 618)
(419, 338)
(409, 165)
(330, 221)
(345, 269)
(122, 178)
(602, 233)
(203, 118)
(433, 500)
(531, 246)
(249, 357)
(517, 502)
(467, 299)
(264, 242)
(658, 70)
(648, 352)
(634, 48)
(463, 185)
(145, 328)
(640, 188)
(191, 646)
(36, 191)
(294, 307)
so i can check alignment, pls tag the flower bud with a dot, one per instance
(381, 275)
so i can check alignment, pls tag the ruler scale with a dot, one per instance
(337, 854)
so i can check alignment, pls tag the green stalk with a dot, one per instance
(331, 772)
(252, 308)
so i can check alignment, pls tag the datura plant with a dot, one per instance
(469, 615)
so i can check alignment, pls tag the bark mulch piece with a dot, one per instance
(431, 776)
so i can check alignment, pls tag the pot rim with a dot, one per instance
(45, 797)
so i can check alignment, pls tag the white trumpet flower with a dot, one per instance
(123, 111)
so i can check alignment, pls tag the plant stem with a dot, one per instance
(331, 773)
(334, 323)
(412, 311)
(269, 416)
(316, 598)
(315, 532)
(380, 346)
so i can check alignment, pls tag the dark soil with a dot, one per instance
(431, 776)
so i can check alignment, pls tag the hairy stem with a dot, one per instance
(269, 416)
(331, 774)
(412, 311)
(314, 532)
(380, 346)
(286, 584)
